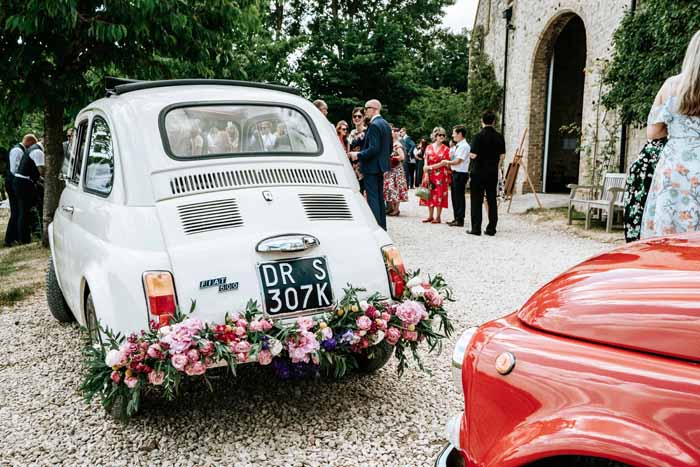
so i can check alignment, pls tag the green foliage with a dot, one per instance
(649, 47)
(484, 92)
(436, 107)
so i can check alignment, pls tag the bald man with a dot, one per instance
(374, 159)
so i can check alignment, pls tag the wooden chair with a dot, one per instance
(604, 199)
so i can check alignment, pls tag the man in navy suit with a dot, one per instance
(374, 159)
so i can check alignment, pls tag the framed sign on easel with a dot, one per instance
(512, 175)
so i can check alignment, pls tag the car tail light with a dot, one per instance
(160, 296)
(395, 270)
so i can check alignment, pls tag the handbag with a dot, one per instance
(423, 193)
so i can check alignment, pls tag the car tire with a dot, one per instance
(374, 361)
(577, 461)
(91, 323)
(54, 297)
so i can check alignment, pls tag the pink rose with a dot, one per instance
(266, 325)
(156, 377)
(305, 323)
(242, 357)
(326, 333)
(410, 312)
(116, 377)
(264, 357)
(206, 347)
(393, 335)
(255, 326)
(433, 297)
(240, 331)
(386, 316)
(196, 369)
(364, 323)
(155, 351)
(192, 355)
(241, 323)
(179, 361)
(410, 335)
(242, 347)
(131, 381)
(381, 324)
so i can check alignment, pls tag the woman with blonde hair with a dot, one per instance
(673, 205)
(435, 175)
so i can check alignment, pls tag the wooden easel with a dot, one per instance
(512, 175)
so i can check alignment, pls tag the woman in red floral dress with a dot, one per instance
(437, 174)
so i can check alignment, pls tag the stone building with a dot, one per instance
(549, 55)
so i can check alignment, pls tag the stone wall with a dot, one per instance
(535, 28)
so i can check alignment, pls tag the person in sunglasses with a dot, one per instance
(357, 135)
(374, 158)
(436, 176)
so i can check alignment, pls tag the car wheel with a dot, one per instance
(375, 357)
(91, 322)
(57, 304)
(577, 461)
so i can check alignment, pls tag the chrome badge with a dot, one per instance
(267, 195)
(220, 282)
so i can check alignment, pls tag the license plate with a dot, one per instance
(295, 285)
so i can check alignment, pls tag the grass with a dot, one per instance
(22, 268)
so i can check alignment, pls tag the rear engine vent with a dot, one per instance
(211, 181)
(326, 207)
(214, 215)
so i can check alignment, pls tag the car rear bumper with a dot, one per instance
(450, 457)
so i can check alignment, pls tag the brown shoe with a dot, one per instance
(428, 220)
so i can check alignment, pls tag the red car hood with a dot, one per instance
(644, 296)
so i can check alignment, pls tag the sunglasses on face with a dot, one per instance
(342, 128)
(367, 108)
(357, 116)
(440, 134)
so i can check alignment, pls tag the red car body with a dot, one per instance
(606, 367)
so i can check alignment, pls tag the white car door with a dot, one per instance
(66, 241)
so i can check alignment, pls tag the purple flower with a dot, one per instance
(347, 337)
(329, 344)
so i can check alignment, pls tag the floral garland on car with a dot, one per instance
(334, 343)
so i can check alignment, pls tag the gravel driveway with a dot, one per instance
(362, 421)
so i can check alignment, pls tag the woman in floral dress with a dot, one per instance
(395, 188)
(436, 175)
(673, 205)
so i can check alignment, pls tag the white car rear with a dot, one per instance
(208, 191)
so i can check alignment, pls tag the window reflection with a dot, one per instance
(99, 171)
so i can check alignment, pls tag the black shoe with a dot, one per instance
(490, 233)
(472, 232)
(456, 224)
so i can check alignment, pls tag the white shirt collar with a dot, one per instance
(463, 142)
(372, 119)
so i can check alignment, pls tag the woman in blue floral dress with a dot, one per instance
(673, 205)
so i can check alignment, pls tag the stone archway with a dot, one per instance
(552, 158)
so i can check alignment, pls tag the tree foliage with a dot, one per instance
(436, 107)
(649, 47)
(484, 92)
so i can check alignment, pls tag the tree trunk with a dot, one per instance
(53, 141)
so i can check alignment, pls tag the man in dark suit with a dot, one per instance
(488, 149)
(374, 159)
(409, 162)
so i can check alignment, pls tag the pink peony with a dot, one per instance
(305, 323)
(156, 377)
(192, 355)
(300, 348)
(242, 357)
(410, 335)
(131, 381)
(115, 358)
(179, 339)
(255, 326)
(386, 316)
(410, 312)
(393, 335)
(266, 325)
(364, 323)
(179, 361)
(242, 347)
(240, 331)
(155, 351)
(116, 377)
(241, 323)
(264, 357)
(196, 369)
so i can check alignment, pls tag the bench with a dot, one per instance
(606, 198)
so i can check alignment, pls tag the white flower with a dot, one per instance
(377, 338)
(114, 358)
(418, 291)
(275, 347)
(364, 305)
(416, 281)
(164, 331)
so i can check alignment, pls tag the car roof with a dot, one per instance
(116, 86)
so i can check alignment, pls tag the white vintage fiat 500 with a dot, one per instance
(212, 191)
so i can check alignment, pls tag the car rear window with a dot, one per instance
(201, 131)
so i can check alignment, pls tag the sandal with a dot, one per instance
(428, 220)
(436, 221)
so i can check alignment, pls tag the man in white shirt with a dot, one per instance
(27, 186)
(14, 157)
(460, 174)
